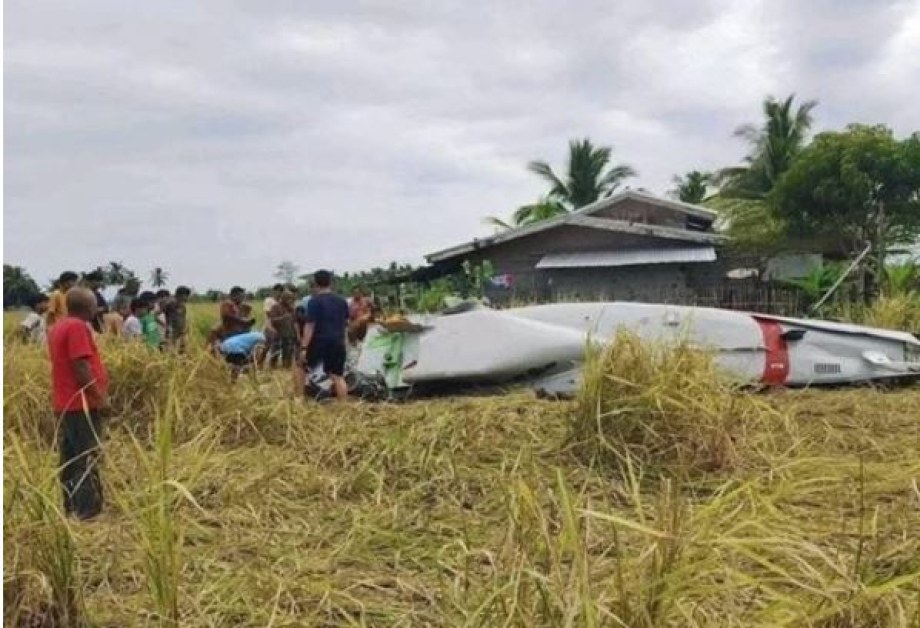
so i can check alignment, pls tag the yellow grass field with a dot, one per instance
(240, 506)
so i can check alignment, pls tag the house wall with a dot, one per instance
(522, 254)
(654, 282)
(638, 211)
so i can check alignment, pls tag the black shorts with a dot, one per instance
(236, 359)
(331, 354)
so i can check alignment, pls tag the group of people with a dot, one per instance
(69, 319)
(156, 318)
(309, 336)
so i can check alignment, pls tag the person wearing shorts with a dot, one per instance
(242, 349)
(323, 337)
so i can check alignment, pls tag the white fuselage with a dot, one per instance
(546, 345)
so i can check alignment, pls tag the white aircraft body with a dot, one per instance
(544, 346)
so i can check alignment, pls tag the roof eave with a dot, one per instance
(586, 211)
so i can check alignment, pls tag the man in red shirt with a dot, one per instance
(79, 386)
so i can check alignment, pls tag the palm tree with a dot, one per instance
(116, 273)
(158, 277)
(529, 214)
(692, 187)
(589, 175)
(774, 145)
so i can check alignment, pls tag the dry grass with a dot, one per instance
(234, 506)
(664, 406)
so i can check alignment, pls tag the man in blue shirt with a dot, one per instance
(242, 349)
(323, 337)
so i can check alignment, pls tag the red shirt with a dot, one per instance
(71, 339)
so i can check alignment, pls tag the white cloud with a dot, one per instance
(217, 138)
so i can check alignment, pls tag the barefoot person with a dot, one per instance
(323, 337)
(79, 385)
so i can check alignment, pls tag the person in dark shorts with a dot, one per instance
(79, 384)
(323, 337)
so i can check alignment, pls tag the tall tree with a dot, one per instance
(158, 277)
(743, 200)
(774, 145)
(857, 187)
(116, 273)
(589, 175)
(18, 286)
(693, 187)
(286, 271)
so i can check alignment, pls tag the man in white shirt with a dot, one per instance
(132, 329)
(32, 328)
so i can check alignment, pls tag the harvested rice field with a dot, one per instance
(662, 497)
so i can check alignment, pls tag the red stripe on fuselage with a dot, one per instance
(776, 365)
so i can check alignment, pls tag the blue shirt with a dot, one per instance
(329, 314)
(242, 344)
(305, 302)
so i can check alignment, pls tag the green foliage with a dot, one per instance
(432, 297)
(750, 224)
(774, 146)
(816, 283)
(158, 277)
(902, 279)
(693, 187)
(117, 274)
(18, 286)
(859, 185)
(589, 177)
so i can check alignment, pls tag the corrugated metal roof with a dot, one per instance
(588, 259)
(585, 212)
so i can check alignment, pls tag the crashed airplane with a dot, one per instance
(544, 346)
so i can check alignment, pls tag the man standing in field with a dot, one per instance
(57, 307)
(232, 319)
(175, 310)
(284, 330)
(271, 334)
(323, 338)
(79, 385)
(94, 281)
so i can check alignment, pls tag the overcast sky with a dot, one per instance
(217, 138)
